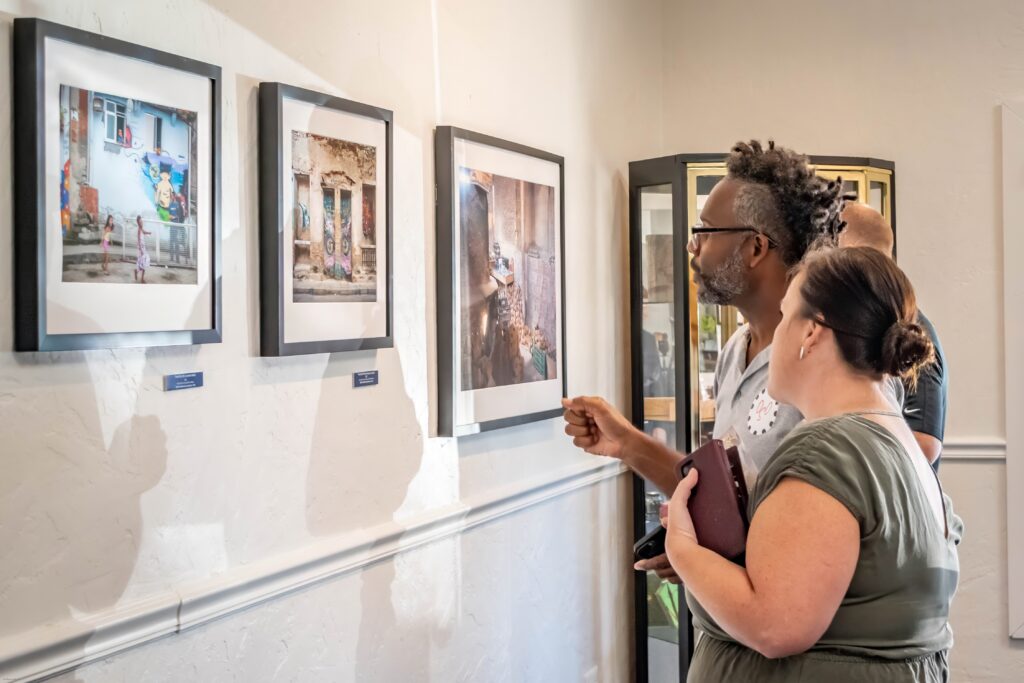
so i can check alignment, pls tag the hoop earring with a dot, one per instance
(801, 353)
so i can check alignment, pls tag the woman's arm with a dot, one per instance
(802, 550)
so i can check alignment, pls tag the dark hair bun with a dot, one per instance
(905, 348)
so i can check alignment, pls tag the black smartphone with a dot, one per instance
(651, 545)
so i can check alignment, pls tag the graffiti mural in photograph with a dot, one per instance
(128, 190)
(334, 213)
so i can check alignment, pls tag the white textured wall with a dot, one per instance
(918, 82)
(510, 601)
(115, 495)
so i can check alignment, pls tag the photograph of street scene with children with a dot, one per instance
(507, 276)
(128, 190)
(334, 219)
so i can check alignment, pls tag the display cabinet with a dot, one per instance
(675, 345)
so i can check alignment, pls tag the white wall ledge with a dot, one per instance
(974, 449)
(52, 648)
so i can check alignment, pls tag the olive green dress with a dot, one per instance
(892, 624)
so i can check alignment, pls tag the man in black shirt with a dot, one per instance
(925, 406)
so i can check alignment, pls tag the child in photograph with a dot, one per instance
(108, 232)
(142, 262)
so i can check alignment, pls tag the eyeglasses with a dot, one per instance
(698, 230)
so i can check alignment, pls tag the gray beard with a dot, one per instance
(725, 284)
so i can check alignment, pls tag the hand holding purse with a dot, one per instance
(718, 503)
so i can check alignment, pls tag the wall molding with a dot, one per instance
(976, 449)
(53, 648)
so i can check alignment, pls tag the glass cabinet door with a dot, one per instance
(658, 348)
(879, 194)
(658, 341)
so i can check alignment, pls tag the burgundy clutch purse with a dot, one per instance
(718, 503)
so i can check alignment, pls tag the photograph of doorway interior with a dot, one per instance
(335, 185)
(507, 280)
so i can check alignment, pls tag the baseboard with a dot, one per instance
(51, 649)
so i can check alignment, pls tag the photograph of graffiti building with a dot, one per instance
(127, 190)
(507, 280)
(335, 219)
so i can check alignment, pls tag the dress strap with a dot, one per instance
(885, 413)
(942, 497)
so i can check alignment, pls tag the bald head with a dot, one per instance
(865, 227)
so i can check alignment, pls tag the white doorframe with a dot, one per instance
(1013, 321)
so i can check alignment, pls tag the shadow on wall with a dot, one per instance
(71, 503)
(367, 450)
(71, 520)
(620, 213)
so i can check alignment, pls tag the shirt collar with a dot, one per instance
(759, 361)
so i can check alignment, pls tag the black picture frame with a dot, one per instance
(271, 218)
(446, 193)
(30, 228)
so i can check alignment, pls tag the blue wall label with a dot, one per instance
(187, 380)
(365, 379)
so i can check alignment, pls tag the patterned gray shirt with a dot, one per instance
(744, 408)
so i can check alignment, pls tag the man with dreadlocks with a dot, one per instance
(757, 223)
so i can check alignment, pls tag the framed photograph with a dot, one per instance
(116, 193)
(325, 223)
(500, 283)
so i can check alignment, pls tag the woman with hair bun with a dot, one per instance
(851, 560)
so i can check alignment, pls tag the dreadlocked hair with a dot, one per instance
(786, 199)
